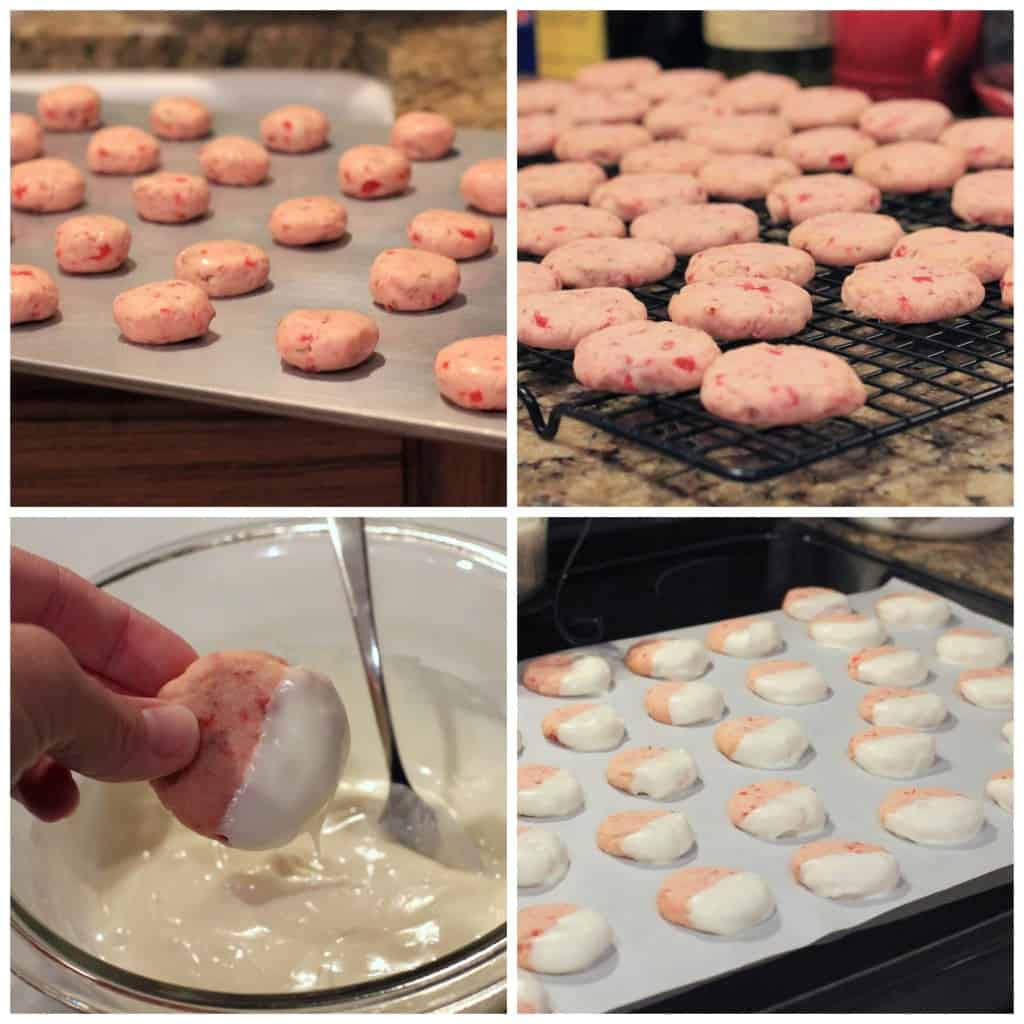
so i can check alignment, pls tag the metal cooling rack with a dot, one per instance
(913, 374)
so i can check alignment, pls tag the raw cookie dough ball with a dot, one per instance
(561, 938)
(585, 727)
(807, 603)
(787, 682)
(630, 195)
(850, 630)
(610, 262)
(909, 291)
(602, 143)
(92, 244)
(69, 108)
(650, 837)
(751, 259)
(541, 858)
(560, 320)
(423, 135)
(471, 373)
(223, 268)
(825, 149)
(758, 91)
(180, 118)
(902, 120)
(797, 199)
(981, 141)
(985, 197)
(744, 638)
(744, 176)
(887, 705)
(932, 816)
(973, 648)
(758, 741)
(742, 307)
(1000, 789)
(410, 280)
(893, 751)
(741, 133)
(234, 160)
(33, 294)
(909, 167)
(716, 900)
(822, 105)
(569, 182)
(986, 254)
(163, 312)
(665, 156)
(484, 187)
(987, 687)
(295, 129)
(324, 340)
(621, 73)
(656, 772)
(671, 658)
(532, 278)
(26, 138)
(568, 675)
(530, 994)
(913, 608)
(776, 809)
(838, 869)
(548, 227)
(170, 197)
(888, 666)
(547, 792)
(846, 239)
(373, 172)
(309, 220)
(453, 233)
(46, 185)
(684, 703)
(273, 740)
(122, 149)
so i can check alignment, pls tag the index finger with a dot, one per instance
(106, 636)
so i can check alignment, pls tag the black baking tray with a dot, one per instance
(914, 374)
(953, 952)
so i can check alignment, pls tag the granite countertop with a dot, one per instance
(963, 459)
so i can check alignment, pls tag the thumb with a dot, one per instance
(59, 710)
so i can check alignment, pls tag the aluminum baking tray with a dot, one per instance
(236, 364)
(652, 958)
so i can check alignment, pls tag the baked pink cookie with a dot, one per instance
(740, 133)
(687, 230)
(751, 259)
(840, 869)
(122, 149)
(296, 128)
(910, 291)
(548, 227)
(620, 73)
(411, 280)
(892, 751)
(46, 185)
(163, 312)
(539, 96)
(981, 141)
(987, 687)
(324, 340)
(568, 675)
(973, 648)
(822, 105)
(602, 107)
(630, 195)
(561, 938)
(777, 808)
(909, 167)
(656, 772)
(423, 135)
(562, 319)
(483, 186)
(846, 239)
(744, 637)
(273, 739)
(849, 630)
(825, 149)
(985, 197)
(797, 199)
(601, 143)
(453, 233)
(893, 705)
(610, 262)
(234, 160)
(673, 118)
(684, 703)
(644, 358)
(26, 138)
(471, 372)
(807, 603)
(373, 172)
(69, 108)
(536, 134)
(665, 156)
(547, 792)
(569, 182)
(92, 244)
(742, 307)
(888, 666)
(309, 220)
(33, 294)
(932, 816)
(744, 176)
(680, 84)
(180, 118)
(171, 198)
(584, 727)
(720, 901)
(532, 278)
(787, 682)
(903, 120)
(651, 837)
(986, 254)
(224, 267)
(758, 91)
(759, 741)
(767, 385)
(1006, 287)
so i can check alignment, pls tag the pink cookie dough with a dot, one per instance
(744, 176)
(234, 160)
(797, 199)
(751, 259)
(46, 185)
(471, 372)
(373, 172)
(324, 340)
(163, 312)
(735, 308)
(180, 118)
(296, 128)
(452, 233)
(687, 230)
(122, 149)
(982, 142)
(33, 294)
(26, 138)
(846, 239)
(567, 183)
(986, 254)
(169, 197)
(92, 244)
(548, 227)
(825, 149)
(909, 167)
(484, 187)
(423, 135)
(411, 280)
(69, 108)
(223, 268)
(308, 220)
(560, 320)
(904, 120)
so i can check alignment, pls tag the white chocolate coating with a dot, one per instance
(698, 702)
(1001, 791)
(681, 659)
(667, 775)
(900, 667)
(660, 841)
(599, 728)
(794, 813)
(995, 691)
(588, 676)
(759, 638)
(851, 875)
(936, 820)
(574, 943)
(531, 996)
(780, 744)
(988, 650)
(904, 611)
(541, 858)
(805, 685)
(922, 711)
(810, 606)
(861, 632)
(555, 797)
(732, 905)
(903, 756)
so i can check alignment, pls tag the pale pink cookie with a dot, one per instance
(532, 278)
(846, 239)
(621, 73)
(822, 105)
(768, 385)
(373, 172)
(560, 320)
(548, 227)
(680, 84)
(234, 160)
(423, 135)
(840, 869)
(471, 372)
(69, 108)
(651, 837)
(892, 705)
(224, 267)
(909, 167)
(758, 91)
(324, 340)
(751, 259)
(759, 741)
(665, 156)
(46, 185)
(716, 900)
(777, 808)
(644, 358)
(1000, 789)
(892, 751)
(909, 291)
(798, 199)
(825, 149)
(411, 280)
(122, 149)
(733, 308)
(630, 195)
(569, 182)
(888, 666)
(568, 675)
(547, 792)
(981, 141)
(180, 118)
(903, 120)
(685, 703)
(296, 128)
(1006, 287)
(483, 186)
(169, 197)
(740, 133)
(787, 682)
(746, 176)
(807, 603)
(33, 294)
(453, 233)
(584, 727)
(602, 107)
(849, 630)
(541, 96)
(561, 938)
(610, 262)
(932, 816)
(26, 138)
(674, 118)
(909, 608)
(309, 220)
(687, 230)
(985, 197)
(601, 143)
(986, 254)
(987, 687)
(536, 134)
(163, 312)
(656, 772)
(92, 244)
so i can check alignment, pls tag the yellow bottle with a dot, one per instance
(566, 40)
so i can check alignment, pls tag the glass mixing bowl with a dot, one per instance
(440, 599)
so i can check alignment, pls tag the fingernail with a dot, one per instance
(172, 730)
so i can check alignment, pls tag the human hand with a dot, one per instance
(85, 668)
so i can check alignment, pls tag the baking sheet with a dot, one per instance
(236, 364)
(653, 957)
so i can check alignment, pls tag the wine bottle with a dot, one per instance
(795, 43)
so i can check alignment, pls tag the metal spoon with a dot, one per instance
(427, 828)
